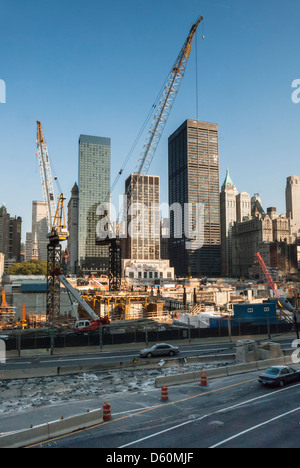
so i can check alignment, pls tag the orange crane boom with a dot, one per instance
(269, 278)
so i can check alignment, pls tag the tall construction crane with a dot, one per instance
(166, 103)
(56, 226)
(46, 175)
(162, 113)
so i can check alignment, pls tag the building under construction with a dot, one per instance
(126, 306)
(7, 315)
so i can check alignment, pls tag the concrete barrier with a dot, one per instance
(68, 425)
(288, 361)
(26, 437)
(50, 430)
(217, 373)
(177, 379)
(220, 372)
(242, 368)
(190, 377)
(262, 365)
(15, 374)
(35, 352)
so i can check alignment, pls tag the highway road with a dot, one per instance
(124, 355)
(232, 412)
(117, 355)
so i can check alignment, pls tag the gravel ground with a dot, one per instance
(20, 395)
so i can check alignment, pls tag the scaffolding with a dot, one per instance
(125, 307)
(7, 315)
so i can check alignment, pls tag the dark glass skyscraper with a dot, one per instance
(94, 188)
(194, 179)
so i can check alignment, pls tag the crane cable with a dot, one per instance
(150, 113)
(157, 100)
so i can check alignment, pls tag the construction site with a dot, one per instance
(62, 302)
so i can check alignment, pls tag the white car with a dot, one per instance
(158, 350)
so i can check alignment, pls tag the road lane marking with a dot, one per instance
(256, 398)
(164, 431)
(223, 410)
(254, 427)
(163, 405)
(99, 358)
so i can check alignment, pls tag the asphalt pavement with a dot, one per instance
(230, 412)
(235, 412)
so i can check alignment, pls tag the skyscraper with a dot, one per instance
(194, 179)
(143, 243)
(39, 231)
(94, 189)
(40, 227)
(292, 198)
(10, 237)
(243, 206)
(143, 240)
(228, 204)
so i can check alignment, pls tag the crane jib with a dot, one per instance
(167, 100)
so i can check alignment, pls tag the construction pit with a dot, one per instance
(125, 306)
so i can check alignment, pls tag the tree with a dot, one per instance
(34, 267)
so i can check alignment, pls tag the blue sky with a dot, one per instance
(96, 67)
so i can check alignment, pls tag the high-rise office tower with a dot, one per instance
(40, 228)
(143, 240)
(142, 253)
(243, 206)
(94, 189)
(37, 239)
(292, 199)
(28, 246)
(10, 237)
(194, 179)
(228, 204)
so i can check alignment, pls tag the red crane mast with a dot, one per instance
(269, 278)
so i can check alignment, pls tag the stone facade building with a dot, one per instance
(264, 233)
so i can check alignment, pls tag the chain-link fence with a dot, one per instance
(113, 335)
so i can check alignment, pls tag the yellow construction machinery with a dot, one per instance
(58, 232)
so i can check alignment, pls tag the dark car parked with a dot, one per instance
(279, 376)
(162, 349)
